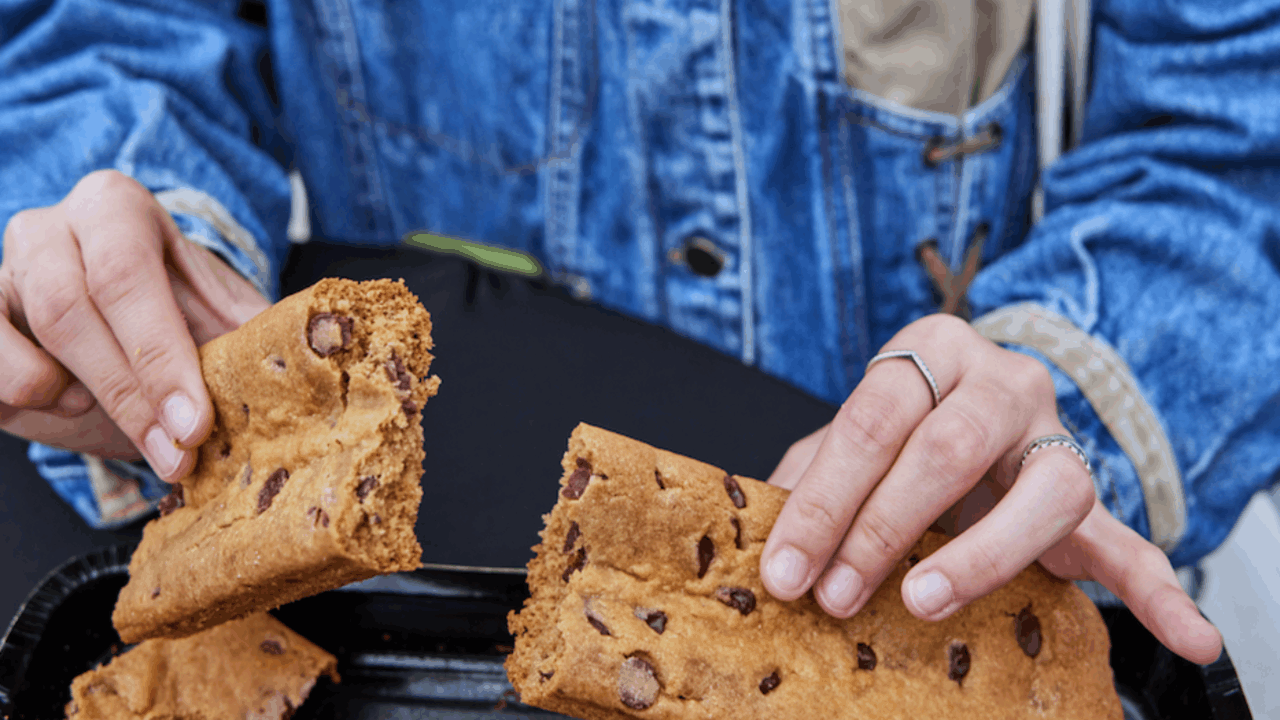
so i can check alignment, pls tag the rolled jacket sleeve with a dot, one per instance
(1151, 288)
(171, 93)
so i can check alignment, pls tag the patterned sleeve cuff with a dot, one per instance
(205, 221)
(106, 493)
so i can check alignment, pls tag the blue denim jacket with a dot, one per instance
(635, 147)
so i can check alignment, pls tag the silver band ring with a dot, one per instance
(1065, 441)
(915, 358)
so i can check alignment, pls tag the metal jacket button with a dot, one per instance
(699, 255)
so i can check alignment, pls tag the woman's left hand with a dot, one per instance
(890, 465)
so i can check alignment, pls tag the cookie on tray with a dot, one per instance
(310, 479)
(254, 668)
(646, 602)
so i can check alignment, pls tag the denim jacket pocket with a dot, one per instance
(474, 90)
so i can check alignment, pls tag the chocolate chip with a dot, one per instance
(318, 516)
(245, 408)
(271, 647)
(155, 593)
(376, 519)
(735, 492)
(578, 481)
(172, 501)
(706, 553)
(638, 686)
(770, 683)
(271, 488)
(408, 408)
(866, 657)
(737, 534)
(658, 476)
(547, 675)
(225, 452)
(655, 619)
(596, 621)
(397, 374)
(368, 484)
(278, 363)
(1026, 628)
(571, 537)
(576, 562)
(740, 599)
(958, 659)
(328, 333)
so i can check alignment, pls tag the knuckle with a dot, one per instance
(23, 228)
(1148, 560)
(1080, 493)
(871, 422)
(153, 360)
(119, 394)
(113, 276)
(988, 567)
(105, 192)
(1029, 377)
(957, 442)
(105, 183)
(944, 326)
(816, 511)
(882, 536)
(57, 313)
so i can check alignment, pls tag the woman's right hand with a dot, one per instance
(102, 305)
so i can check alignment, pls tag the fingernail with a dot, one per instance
(180, 417)
(163, 455)
(930, 593)
(75, 399)
(840, 588)
(788, 569)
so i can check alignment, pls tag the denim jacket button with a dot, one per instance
(700, 256)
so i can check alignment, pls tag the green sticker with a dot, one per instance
(490, 256)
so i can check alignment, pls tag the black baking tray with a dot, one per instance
(430, 644)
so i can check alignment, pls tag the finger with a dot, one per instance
(941, 462)
(861, 443)
(1140, 575)
(65, 322)
(215, 298)
(33, 380)
(797, 459)
(1050, 498)
(93, 432)
(121, 236)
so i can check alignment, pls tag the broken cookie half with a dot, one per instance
(310, 479)
(646, 602)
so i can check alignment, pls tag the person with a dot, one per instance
(800, 184)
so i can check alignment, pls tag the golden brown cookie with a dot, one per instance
(253, 668)
(646, 602)
(310, 479)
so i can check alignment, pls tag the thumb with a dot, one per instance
(214, 298)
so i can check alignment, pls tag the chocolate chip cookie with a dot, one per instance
(253, 668)
(646, 602)
(310, 479)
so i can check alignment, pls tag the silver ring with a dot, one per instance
(1065, 441)
(913, 357)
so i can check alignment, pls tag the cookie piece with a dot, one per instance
(253, 668)
(310, 479)
(646, 602)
